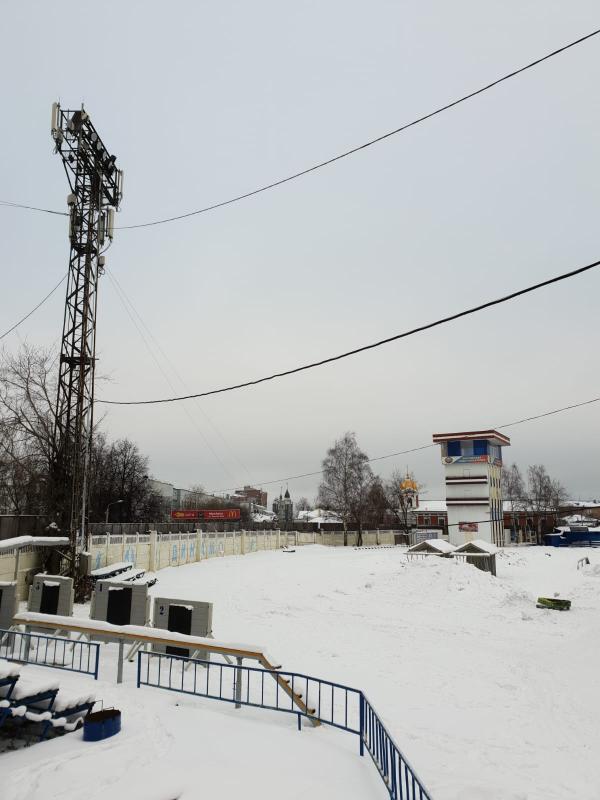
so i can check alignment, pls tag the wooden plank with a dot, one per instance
(189, 641)
(294, 696)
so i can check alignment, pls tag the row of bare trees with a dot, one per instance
(118, 471)
(540, 497)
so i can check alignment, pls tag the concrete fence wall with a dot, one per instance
(154, 551)
(29, 563)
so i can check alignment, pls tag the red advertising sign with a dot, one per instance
(208, 514)
(468, 527)
(221, 513)
(188, 514)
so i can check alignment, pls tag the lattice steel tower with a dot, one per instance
(96, 191)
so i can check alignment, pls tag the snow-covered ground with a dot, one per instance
(489, 697)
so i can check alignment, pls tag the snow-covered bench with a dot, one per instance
(110, 570)
(9, 675)
(39, 701)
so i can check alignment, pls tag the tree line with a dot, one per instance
(118, 470)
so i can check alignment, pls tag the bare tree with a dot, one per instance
(303, 505)
(346, 482)
(27, 397)
(513, 492)
(377, 503)
(402, 491)
(544, 496)
(118, 471)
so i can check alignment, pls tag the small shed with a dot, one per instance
(479, 553)
(121, 602)
(8, 604)
(51, 594)
(191, 617)
(431, 547)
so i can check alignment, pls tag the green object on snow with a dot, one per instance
(553, 603)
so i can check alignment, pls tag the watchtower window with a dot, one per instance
(454, 448)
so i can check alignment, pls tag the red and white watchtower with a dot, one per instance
(473, 465)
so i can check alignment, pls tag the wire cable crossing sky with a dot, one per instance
(429, 446)
(443, 321)
(33, 310)
(340, 156)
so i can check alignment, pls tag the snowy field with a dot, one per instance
(488, 697)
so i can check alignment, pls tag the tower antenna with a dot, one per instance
(96, 190)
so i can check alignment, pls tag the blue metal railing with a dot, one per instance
(50, 651)
(396, 772)
(324, 701)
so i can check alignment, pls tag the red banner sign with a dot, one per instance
(207, 514)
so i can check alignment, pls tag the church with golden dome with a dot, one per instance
(410, 489)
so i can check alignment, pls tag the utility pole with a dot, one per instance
(96, 191)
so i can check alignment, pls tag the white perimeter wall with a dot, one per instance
(153, 551)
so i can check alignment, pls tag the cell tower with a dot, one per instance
(96, 191)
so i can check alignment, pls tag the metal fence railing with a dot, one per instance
(396, 772)
(50, 651)
(325, 701)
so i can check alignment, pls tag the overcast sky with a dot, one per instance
(201, 101)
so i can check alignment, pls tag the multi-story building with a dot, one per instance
(251, 495)
(473, 466)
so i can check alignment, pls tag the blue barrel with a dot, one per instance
(101, 724)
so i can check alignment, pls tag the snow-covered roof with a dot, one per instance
(262, 517)
(431, 505)
(319, 515)
(441, 545)
(480, 544)
(40, 541)
(580, 503)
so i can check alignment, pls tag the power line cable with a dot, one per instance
(365, 145)
(345, 154)
(364, 348)
(369, 143)
(176, 372)
(33, 310)
(429, 446)
(33, 208)
(167, 379)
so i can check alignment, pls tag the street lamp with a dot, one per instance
(114, 503)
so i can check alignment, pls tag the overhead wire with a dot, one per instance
(176, 372)
(33, 208)
(166, 377)
(346, 153)
(430, 445)
(371, 142)
(33, 310)
(363, 348)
